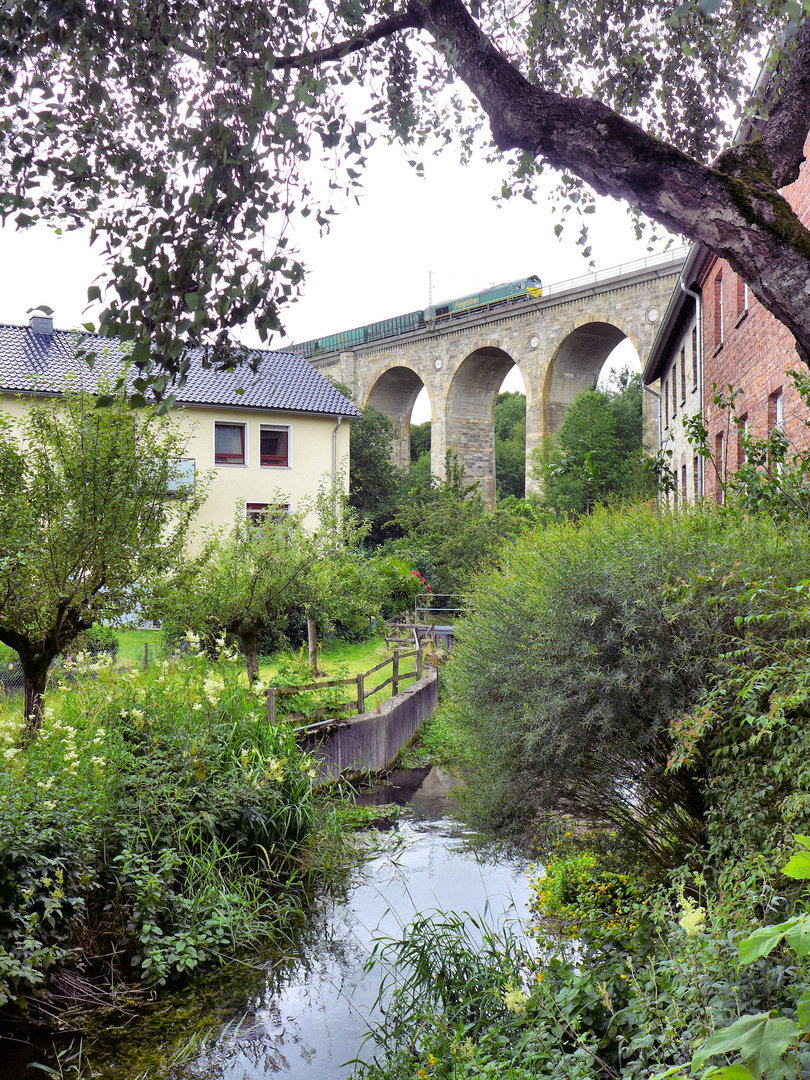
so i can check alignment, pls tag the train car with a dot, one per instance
(414, 320)
(511, 290)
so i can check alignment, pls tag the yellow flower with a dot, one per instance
(431, 1060)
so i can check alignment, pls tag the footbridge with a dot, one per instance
(558, 341)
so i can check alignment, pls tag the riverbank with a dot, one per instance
(303, 1010)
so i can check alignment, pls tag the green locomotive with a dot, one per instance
(415, 320)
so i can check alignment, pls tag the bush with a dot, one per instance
(97, 640)
(147, 830)
(580, 654)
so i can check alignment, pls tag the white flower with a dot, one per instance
(193, 641)
(515, 1000)
(196, 708)
(99, 762)
(693, 921)
(11, 753)
(49, 804)
(136, 714)
(213, 689)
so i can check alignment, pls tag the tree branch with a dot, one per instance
(786, 131)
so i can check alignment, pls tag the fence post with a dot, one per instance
(361, 693)
(145, 655)
(419, 661)
(395, 672)
(271, 706)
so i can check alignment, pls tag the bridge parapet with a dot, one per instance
(559, 342)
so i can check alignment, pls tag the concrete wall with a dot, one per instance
(371, 742)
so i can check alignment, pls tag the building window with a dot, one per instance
(696, 475)
(742, 431)
(719, 466)
(182, 478)
(683, 375)
(674, 390)
(675, 488)
(257, 513)
(718, 310)
(666, 403)
(274, 446)
(694, 358)
(229, 444)
(684, 488)
(775, 410)
(742, 296)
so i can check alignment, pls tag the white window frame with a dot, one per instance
(276, 427)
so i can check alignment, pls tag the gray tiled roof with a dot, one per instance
(283, 382)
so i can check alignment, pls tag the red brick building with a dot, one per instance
(735, 342)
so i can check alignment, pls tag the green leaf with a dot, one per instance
(760, 1039)
(94, 293)
(798, 866)
(798, 934)
(803, 1011)
(730, 1072)
(192, 299)
(762, 942)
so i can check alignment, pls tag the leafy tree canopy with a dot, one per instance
(597, 453)
(186, 134)
(86, 527)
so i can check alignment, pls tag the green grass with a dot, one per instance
(131, 643)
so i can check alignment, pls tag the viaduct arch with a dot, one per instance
(559, 342)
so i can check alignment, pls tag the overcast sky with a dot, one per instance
(375, 261)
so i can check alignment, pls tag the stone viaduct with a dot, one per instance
(559, 342)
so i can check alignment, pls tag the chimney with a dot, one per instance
(41, 321)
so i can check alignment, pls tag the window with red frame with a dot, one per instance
(258, 513)
(274, 446)
(229, 444)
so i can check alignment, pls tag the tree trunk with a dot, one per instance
(251, 656)
(36, 679)
(312, 642)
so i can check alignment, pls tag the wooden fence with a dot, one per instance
(362, 692)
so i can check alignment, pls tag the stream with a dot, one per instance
(305, 1017)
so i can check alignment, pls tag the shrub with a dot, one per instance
(581, 652)
(98, 639)
(148, 829)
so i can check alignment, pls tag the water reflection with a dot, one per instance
(314, 1023)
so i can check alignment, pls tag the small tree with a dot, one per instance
(86, 524)
(244, 581)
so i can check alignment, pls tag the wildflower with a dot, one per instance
(193, 641)
(136, 714)
(275, 770)
(196, 707)
(213, 689)
(515, 1000)
(693, 920)
(11, 753)
(431, 1060)
(99, 762)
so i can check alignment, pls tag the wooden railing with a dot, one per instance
(362, 694)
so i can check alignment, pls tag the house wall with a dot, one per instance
(679, 389)
(310, 460)
(745, 347)
(310, 456)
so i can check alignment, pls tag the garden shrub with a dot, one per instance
(97, 640)
(583, 649)
(147, 830)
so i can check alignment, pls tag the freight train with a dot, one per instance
(415, 320)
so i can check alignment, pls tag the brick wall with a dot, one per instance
(746, 347)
